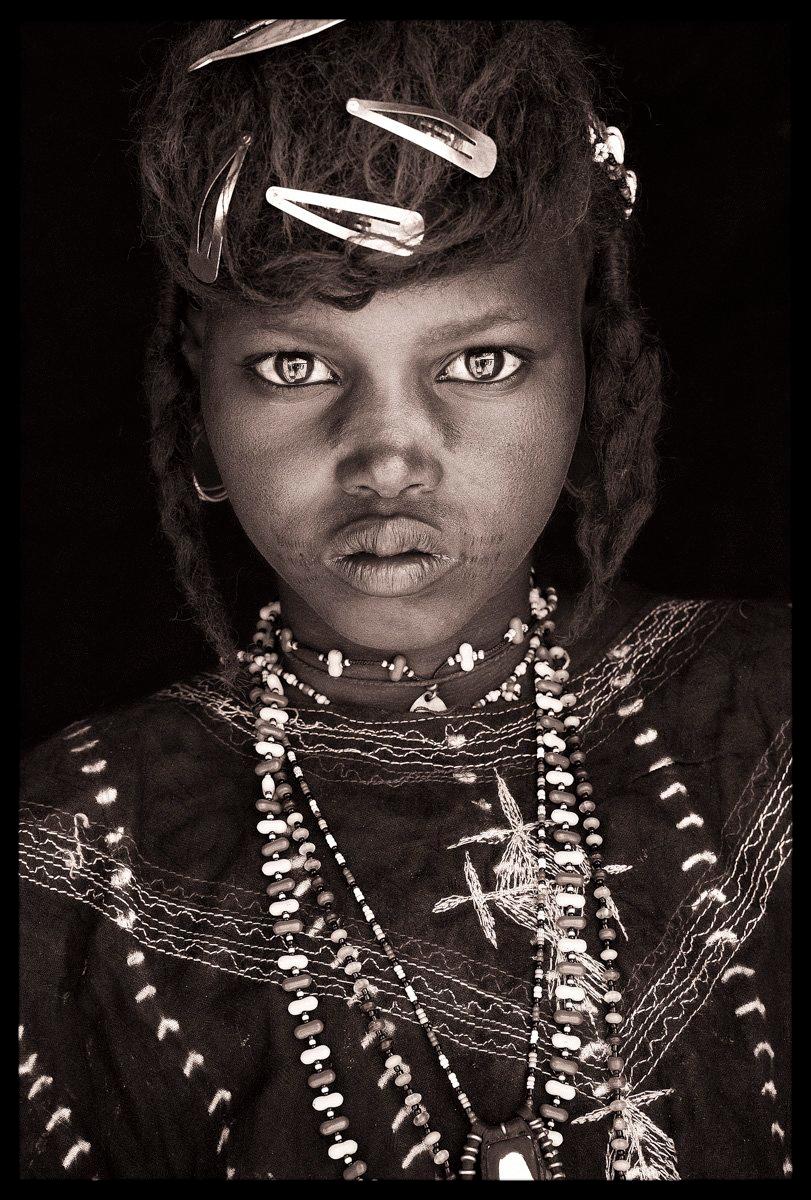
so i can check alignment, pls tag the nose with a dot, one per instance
(389, 443)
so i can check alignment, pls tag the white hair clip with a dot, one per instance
(264, 35)
(205, 248)
(608, 146)
(446, 136)
(380, 226)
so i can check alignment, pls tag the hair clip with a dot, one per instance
(205, 249)
(446, 136)
(608, 146)
(380, 227)
(263, 35)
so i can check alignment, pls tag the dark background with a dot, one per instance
(705, 116)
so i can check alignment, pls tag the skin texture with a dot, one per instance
(482, 463)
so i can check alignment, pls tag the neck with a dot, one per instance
(365, 687)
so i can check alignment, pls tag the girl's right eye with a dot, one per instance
(293, 368)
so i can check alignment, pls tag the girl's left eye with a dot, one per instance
(293, 368)
(481, 366)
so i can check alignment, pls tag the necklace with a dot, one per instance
(525, 1146)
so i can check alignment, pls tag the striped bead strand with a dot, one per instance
(607, 934)
(420, 1116)
(284, 826)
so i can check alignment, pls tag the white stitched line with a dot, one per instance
(219, 1095)
(646, 737)
(769, 1089)
(145, 993)
(755, 1005)
(20, 1032)
(95, 767)
(712, 894)
(223, 1138)
(622, 681)
(84, 746)
(77, 732)
(660, 762)
(194, 1060)
(57, 1118)
(778, 1131)
(28, 1066)
(39, 1084)
(675, 789)
(728, 936)
(706, 856)
(121, 877)
(230, 1172)
(80, 1147)
(135, 958)
(167, 1025)
(764, 1048)
(114, 836)
(731, 972)
(125, 920)
(690, 819)
(628, 710)
(106, 795)
(787, 1167)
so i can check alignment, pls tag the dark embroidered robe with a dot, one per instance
(155, 1042)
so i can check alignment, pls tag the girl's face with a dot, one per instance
(395, 465)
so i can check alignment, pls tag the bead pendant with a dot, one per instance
(506, 1151)
(430, 702)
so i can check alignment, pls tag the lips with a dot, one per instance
(389, 556)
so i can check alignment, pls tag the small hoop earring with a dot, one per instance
(213, 495)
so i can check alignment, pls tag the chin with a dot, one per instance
(402, 623)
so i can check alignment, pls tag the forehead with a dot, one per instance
(543, 286)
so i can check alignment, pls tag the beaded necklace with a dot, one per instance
(526, 1145)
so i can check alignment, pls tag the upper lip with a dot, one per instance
(387, 536)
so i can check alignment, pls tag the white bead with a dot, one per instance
(268, 785)
(549, 702)
(335, 663)
(554, 1136)
(562, 816)
(551, 739)
(467, 659)
(564, 1090)
(565, 991)
(274, 684)
(566, 1041)
(563, 777)
(615, 143)
(343, 1149)
(277, 715)
(269, 825)
(333, 1100)
(612, 997)
(544, 670)
(274, 749)
(314, 1054)
(305, 1004)
(572, 945)
(570, 900)
(276, 866)
(283, 908)
(564, 858)
(290, 962)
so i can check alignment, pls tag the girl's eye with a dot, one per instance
(481, 366)
(293, 368)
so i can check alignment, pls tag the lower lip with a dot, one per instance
(399, 575)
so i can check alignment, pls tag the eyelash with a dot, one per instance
(524, 359)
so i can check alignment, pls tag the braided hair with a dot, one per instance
(530, 85)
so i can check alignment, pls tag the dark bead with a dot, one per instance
(324, 898)
(565, 1016)
(321, 1078)
(308, 1029)
(276, 846)
(313, 865)
(300, 834)
(552, 1113)
(317, 881)
(584, 789)
(297, 983)
(611, 974)
(566, 835)
(266, 805)
(385, 1043)
(599, 876)
(563, 1066)
(368, 1006)
(284, 789)
(564, 877)
(596, 858)
(420, 1119)
(334, 1125)
(293, 925)
(571, 922)
(355, 1170)
(278, 886)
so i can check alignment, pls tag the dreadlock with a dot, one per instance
(530, 85)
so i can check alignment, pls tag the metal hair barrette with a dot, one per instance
(205, 248)
(608, 146)
(264, 35)
(380, 226)
(445, 136)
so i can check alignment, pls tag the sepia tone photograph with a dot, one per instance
(406, 616)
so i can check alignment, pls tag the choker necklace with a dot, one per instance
(429, 700)
(525, 1145)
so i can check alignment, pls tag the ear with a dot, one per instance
(193, 330)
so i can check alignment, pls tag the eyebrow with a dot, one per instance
(468, 327)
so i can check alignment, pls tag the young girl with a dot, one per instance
(442, 874)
